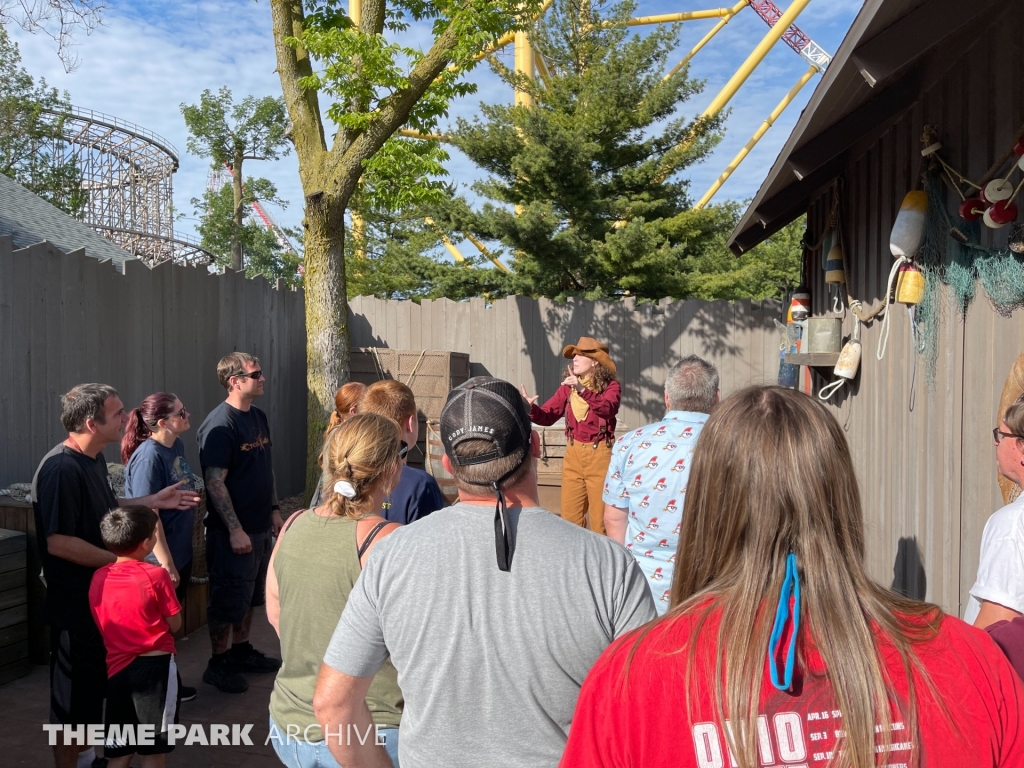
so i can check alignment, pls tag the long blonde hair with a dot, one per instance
(772, 474)
(365, 452)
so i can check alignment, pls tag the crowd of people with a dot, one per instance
(701, 600)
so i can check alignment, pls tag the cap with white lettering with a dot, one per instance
(485, 408)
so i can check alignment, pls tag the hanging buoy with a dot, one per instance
(1000, 214)
(971, 209)
(910, 285)
(847, 365)
(997, 190)
(800, 305)
(908, 230)
(835, 270)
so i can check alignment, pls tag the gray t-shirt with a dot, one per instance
(490, 662)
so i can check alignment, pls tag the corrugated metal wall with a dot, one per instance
(67, 319)
(924, 455)
(521, 339)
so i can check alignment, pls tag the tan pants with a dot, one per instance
(583, 475)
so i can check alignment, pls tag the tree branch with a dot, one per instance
(391, 115)
(293, 64)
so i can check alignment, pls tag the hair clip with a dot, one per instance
(345, 488)
(790, 585)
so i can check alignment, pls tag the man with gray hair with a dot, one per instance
(647, 476)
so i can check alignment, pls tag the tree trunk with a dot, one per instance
(327, 341)
(236, 228)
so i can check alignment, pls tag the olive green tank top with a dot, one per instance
(316, 567)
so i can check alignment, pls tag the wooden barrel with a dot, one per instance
(435, 451)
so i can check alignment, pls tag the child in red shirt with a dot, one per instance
(136, 611)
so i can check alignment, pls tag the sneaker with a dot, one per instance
(248, 659)
(188, 693)
(222, 677)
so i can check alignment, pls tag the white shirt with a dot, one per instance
(1001, 569)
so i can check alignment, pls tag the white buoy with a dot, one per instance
(908, 231)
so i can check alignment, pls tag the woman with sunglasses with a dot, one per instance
(313, 569)
(778, 647)
(998, 591)
(154, 457)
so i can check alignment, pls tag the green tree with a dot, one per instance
(711, 272)
(262, 253)
(403, 258)
(603, 144)
(229, 134)
(31, 135)
(375, 86)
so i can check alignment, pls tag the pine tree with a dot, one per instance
(604, 144)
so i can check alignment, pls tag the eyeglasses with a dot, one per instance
(998, 435)
(182, 413)
(254, 375)
(403, 452)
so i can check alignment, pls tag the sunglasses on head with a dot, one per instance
(254, 375)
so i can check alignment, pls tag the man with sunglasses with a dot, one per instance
(243, 516)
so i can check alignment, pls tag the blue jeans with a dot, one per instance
(295, 752)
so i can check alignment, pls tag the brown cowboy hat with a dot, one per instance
(591, 348)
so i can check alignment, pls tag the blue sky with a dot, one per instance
(149, 56)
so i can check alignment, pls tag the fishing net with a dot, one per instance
(952, 255)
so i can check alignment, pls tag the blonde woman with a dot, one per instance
(774, 621)
(313, 568)
(588, 398)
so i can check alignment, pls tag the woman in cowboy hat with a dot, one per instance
(588, 399)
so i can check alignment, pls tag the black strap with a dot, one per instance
(504, 536)
(369, 539)
(289, 521)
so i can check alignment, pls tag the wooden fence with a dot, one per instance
(67, 319)
(521, 339)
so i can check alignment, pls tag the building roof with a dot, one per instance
(28, 219)
(894, 51)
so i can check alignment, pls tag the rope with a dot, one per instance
(415, 368)
(379, 365)
(883, 340)
(827, 392)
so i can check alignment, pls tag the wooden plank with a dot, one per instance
(13, 561)
(14, 580)
(12, 616)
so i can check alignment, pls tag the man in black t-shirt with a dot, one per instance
(243, 517)
(71, 493)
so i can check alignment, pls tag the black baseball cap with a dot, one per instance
(485, 408)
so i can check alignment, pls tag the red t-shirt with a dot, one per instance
(131, 602)
(646, 723)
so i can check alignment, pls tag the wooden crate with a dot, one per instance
(430, 374)
(18, 516)
(14, 661)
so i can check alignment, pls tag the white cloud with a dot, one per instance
(152, 55)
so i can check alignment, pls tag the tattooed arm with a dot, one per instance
(218, 493)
